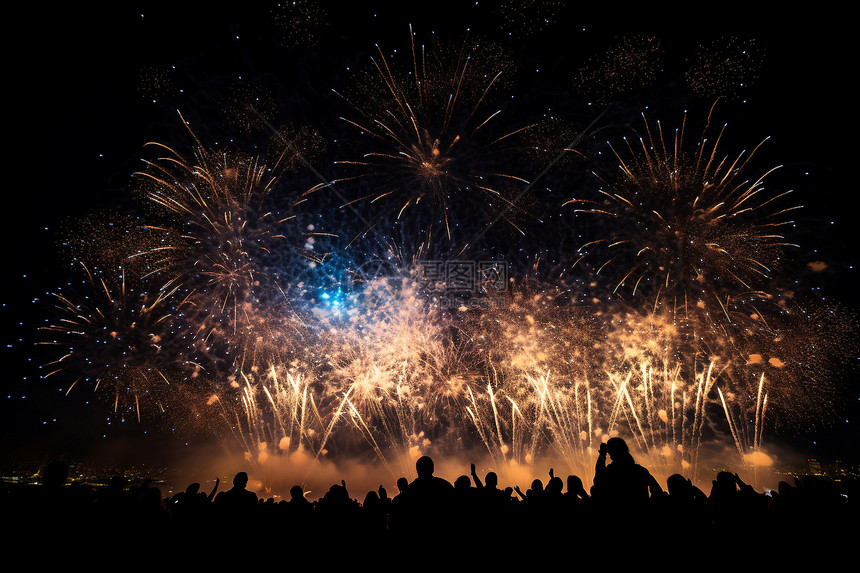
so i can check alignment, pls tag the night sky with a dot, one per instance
(89, 87)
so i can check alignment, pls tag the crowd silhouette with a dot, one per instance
(625, 507)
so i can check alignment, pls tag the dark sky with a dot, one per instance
(80, 114)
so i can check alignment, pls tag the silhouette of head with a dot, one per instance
(726, 477)
(617, 446)
(192, 489)
(402, 484)
(676, 484)
(241, 480)
(424, 466)
(574, 483)
(151, 497)
(371, 499)
(618, 450)
(463, 482)
(116, 483)
(297, 493)
(336, 494)
(726, 481)
(492, 480)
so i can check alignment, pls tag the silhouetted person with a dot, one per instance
(575, 491)
(54, 475)
(532, 494)
(398, 503)
(237, 500)
(374, 518)
(51, 504)
(489, 507)
(426, 483)
(299, 506)
(151, 510)
(194, 507)
(383, 495)
(623, 483)
(554, 487)
(337, 514)
(427, 500)
(298, 513)
(685, 510)
(402, 486)
(463, 483)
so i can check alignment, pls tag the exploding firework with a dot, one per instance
(383, 372)
(299, 22)
(632, 63)
(114, 341)
(223, 245)
(690, 232)
(435, 151)
(567, 372)
(530, 18)
(801, 352)
(725, 68)
(251, 108)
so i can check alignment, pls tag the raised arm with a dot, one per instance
(475, 478)
(520, 493)
(600, 466)
(211, 495)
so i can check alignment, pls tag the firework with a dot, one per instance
(801, 352)
(222, 244)
(299, 22)
(689, 230)
(251, 109)
(157, 82)
(567, 372)
(435, 149)
(377, 363)
(725, 68)
(114, 342)
(530, 18)
(634, 62)
(566, 420)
